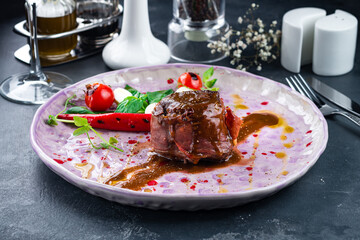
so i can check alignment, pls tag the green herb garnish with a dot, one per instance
(154, 97)
(130, 105)
(138, 102)
(79, 110)
(209, 83)
(83, 126)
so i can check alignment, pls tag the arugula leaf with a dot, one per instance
(154, 97)
(130, 105)
(78, 110)
(208, 73)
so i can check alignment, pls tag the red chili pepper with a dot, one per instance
(132, 122)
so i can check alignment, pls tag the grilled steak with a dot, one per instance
(193, 125)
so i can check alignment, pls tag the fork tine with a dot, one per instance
(295, 85)
(303, 89)
(309, 90)
(290, 84)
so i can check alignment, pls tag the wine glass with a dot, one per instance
(35, 87)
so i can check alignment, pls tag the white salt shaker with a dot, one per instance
(335, 44)
(297, 37)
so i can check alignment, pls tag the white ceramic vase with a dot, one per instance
(135, 46)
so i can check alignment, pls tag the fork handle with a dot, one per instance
(349, 116)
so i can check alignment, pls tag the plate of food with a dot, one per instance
(179, 136)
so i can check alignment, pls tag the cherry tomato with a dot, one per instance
(190, 80)
(99, 97)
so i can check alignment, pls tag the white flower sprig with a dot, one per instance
(262, 43)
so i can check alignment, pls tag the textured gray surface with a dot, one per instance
(37, 204)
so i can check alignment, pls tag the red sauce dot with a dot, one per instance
(308, 144)
(132, 161)
(244, 153)
(69, 159)
(184, 180)
(152, 183)
(148, 140)
(248, 113)
(58, 161)
(255, 135)
(205, 181)
(264, 103)
(132, 141)
(219, 180)
(249, 168)
(310, 131)
(193, 187)
(272, 152)
(121, 159)
(250, 174)
(83, 161)
(170, 81)
(264, 153)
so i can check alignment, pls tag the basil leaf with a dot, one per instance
(130, 105)
(215, 89)
(78, 110)
(210, 83)
(154, 97)
(208, 73)
(132, 90)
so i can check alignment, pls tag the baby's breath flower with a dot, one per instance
(263, 42)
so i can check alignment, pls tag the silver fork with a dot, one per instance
(299, 84)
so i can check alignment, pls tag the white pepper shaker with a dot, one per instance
(297, 37)
(334, 44)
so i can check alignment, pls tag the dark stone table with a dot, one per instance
(35, 203)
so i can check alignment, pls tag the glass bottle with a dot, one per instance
(56, 16)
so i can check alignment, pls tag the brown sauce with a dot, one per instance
(136, 177)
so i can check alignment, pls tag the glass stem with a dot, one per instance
(35, 66)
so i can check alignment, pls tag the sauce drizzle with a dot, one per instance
(136, 177)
